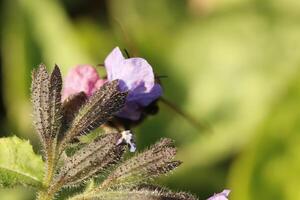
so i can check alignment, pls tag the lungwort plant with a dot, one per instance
(96, 169)
(84, 130)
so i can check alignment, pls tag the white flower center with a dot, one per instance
(128, 138)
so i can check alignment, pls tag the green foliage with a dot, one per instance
(19, 165)
(16, 193)
(269, 166)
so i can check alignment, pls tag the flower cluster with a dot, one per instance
(135, 75)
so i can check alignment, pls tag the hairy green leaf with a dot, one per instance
(19, 165)
(100, 108)
(40, 100)
(156, 161)
(143, 194)
(89, 160)
(71, 107)
(55, 101)
(46, 99)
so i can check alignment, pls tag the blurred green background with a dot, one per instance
(233, 64)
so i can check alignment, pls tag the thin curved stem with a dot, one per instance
(194, 122)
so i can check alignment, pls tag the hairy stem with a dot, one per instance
(49, 171)
(49, 192)
(44, 195)
(51, 162)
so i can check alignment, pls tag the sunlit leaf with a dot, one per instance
(19, 165)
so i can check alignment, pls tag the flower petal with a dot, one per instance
(136, 75)
(144, 99)
(82, 78)
(220, 196)
(113, 63)
(131, 111)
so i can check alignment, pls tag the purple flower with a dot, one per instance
(135, 74)
(220, 196)
(137, 77)
(82, 78)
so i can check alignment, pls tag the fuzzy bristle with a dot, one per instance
(101, 106)
(55, 101)
(143, 194)
(46, 99)
(89, 160)
(156, 161)
(71, 106)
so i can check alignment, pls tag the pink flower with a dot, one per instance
(82, 78)
(220, 196)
